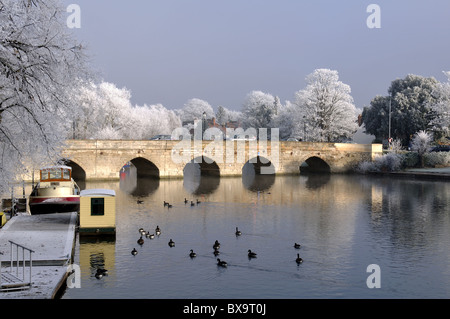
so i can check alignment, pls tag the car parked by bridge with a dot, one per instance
(161, 138)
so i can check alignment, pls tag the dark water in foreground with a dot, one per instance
(344, 224)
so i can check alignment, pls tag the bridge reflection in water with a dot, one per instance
(203, 179)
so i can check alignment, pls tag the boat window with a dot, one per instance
(97, 206)
(55, 174)
(44, 175)
(66, 174)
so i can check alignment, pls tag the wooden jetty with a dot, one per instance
(43, 246)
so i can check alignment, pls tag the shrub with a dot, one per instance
(437, 159)
(410, 159)
(386, 163)
(389, 162)
(365, 167)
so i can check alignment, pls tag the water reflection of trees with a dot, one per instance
(408, 211)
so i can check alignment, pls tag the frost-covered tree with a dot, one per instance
(326, 107)
(288, 122)
(224, 115)
(440, 108)
(409, 100)
(104, 111)
(40, 63)
(259, 110)
(150, 120)
(234, 116)
(193, 110)
(221, 115)
(421, 143)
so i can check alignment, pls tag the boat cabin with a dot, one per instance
(56, 174)
(97, 212)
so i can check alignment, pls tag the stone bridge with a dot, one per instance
(104, 159)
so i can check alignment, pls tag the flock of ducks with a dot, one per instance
(216, 245)
(186, 201)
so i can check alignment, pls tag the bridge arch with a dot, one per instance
(139, 177)
(78, 173)
(201, 176)
(315, 164)
(260, 166)
(203, 166)
(144, 168)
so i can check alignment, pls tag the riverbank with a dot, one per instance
(439, 173)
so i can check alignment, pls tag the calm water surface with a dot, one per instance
(344, 223)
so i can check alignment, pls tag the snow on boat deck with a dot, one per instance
(51, 237)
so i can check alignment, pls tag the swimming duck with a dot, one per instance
(238, 232)
(192, 254)
(141, 230)
(100, 273)
(103, 271)
(165, 203)
(157, 230)
(221, 263)
(140, 241)
(171, 243)
(297, 246)
(298, 260)
(198, 202)
(147, 234)
(169, 205)
(151, 236)
(139, 201)
(251, 254)
(185, 200)
(216, 245)
(134, 252)
(192, 203)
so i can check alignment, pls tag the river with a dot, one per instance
(344, 223)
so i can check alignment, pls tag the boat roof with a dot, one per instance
(97, 192)
(56, 166)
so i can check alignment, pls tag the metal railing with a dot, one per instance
(11, 281)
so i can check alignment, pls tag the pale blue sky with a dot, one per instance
(169, 51)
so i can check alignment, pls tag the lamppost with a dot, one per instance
(203, 124)
(390, 107)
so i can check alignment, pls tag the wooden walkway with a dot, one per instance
(52, 238)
